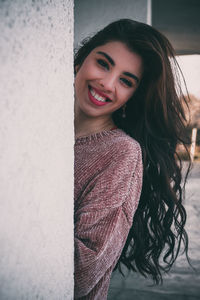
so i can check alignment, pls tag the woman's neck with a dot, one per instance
(86, 126)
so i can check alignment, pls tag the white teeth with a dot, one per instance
(97, 96)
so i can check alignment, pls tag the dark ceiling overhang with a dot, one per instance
(179, 20)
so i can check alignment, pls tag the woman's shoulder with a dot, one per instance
(124, 142)
(125, 150)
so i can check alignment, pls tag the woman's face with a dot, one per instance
(107, 79)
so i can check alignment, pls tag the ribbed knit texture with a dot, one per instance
(108, 182)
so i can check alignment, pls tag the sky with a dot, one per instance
(190, 66)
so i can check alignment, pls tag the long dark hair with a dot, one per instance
(156, 119)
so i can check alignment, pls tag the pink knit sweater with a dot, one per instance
(108, 181)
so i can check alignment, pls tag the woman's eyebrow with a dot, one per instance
(108, 57)
(113, 64)
(132, 76)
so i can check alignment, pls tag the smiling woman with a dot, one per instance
(128, 121)
(104, 82)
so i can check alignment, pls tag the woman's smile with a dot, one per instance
(97, 97)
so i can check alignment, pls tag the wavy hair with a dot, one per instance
(155, 118)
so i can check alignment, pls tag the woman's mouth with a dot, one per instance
(96, 98)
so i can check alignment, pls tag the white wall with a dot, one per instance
(92, 15)
(36, 149)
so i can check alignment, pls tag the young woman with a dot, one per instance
(128, 121)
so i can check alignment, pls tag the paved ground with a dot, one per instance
(182, 283)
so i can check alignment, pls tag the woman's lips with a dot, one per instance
(93, 94)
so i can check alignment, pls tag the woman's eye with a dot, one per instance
(103, 63)
(127, 82)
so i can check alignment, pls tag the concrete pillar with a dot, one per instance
(36, 149)
(91, 15)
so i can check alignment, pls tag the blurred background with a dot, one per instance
(179, 20)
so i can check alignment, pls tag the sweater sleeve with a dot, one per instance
(104, 218)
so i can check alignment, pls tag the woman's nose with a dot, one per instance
(108, 83)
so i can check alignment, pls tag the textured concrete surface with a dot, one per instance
(182, 283)
(36, 149)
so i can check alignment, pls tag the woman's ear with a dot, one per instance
(77, 67)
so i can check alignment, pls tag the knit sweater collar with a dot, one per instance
(96, 136)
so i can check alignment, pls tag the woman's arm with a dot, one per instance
(104, 218)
